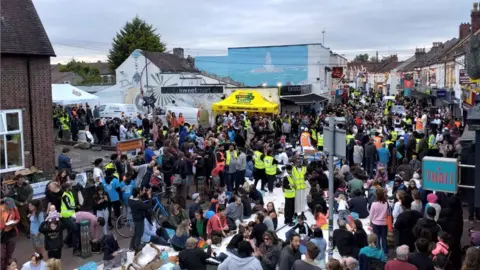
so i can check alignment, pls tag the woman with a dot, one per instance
(111, 185)
(472, 259)
(62, 176)
(417, 203)
(9, 218)
(371, 251)
(36, 263)
(53, 195)
(157, 236)
(111, 252)
(177, 215)
(12, 264)
(273, 214)
(378, 219)
(173, 121)
(199, 225)
(397, 208)
(179, 239)
(321, 243)
(359, 234)
(126, 186)
(100, 206)
(269, 251)
(181, 120)
(54, 264)
(36, 217)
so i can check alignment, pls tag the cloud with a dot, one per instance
(84, 29)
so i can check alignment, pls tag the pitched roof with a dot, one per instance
(103, 67)
(169, 62)
(434, 55)
(22, 31)
(368, 66)
(460, 47)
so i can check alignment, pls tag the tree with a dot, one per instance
(473, 58)
(361, 58)
(90, 75)
(136, 34)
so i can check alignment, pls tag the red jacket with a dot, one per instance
(216, 223)
(399, 265)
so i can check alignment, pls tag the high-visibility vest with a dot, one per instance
(270, 168)
(259, 164)
(64, 211)
(408, 121)
(432, 144)
(229, 156)
(299, 178)
(220, 162)
(387, 143)
(377, 140)
(394, 135)
(112, 166)
(247, 122)
(418, 124)
(319, 139)
(417, 144)
(314, 134)
(64, 122)
(219, 128)
(304, 139)
(164, 133)
(348, 138)
(289, 193)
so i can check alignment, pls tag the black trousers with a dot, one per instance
(56, 254)
(289, 209)
(137, 235)
(116, 209)
(259, 175)
(271, 181)
(73, 232)
(231, 224)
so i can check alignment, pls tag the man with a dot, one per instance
(194, 258)
(231, 166)
(114, 164)
(241, 168)
(288, 188)
(427, 227)
(404, 224)
(351, 264)
(64, 161)
(217, 224)
(370, 157)
(290, 253)
(259, 167)
(67, 215)
(139, 211)
(149, 154)
(344, 240)
(94, 223)
(384, 155)
(401, 261)
(96, 112)
(421, 257)
(298, 175)
(308, 263)
(270, 170)
(234, 213)
(23, 196)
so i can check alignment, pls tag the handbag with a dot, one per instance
(389, 218)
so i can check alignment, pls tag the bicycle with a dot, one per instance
(125, 226)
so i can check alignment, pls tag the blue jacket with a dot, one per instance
(373, 252)
(64, 163)
(148, 231)
(383, 155)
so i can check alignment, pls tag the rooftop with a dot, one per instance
(169, 62)
(22, 31)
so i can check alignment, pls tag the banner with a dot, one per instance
(440, 174)
(464, 78)
(192, 90)
(294, 90)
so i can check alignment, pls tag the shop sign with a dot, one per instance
(39, 189)
(337, 72)
(192, 90)
(130, 145)
(440, 174)
(244, 98)
(294, 90)
(441, 93)
(464, 79)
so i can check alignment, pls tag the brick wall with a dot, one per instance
(14, 94)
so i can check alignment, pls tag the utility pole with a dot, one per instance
(377, 56)
(323, 37)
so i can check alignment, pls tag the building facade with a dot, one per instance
(26, 125)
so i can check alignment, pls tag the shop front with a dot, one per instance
(300, 98)
(468, 101)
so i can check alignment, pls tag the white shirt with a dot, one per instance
(97, 172)
(123, 132)
(28, 266)
(282, 158)
(342, 205)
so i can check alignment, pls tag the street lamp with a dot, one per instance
(473, 121)
(279, 84)
(264, 84)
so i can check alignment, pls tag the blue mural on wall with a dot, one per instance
(254, 66)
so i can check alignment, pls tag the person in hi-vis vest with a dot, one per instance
(298, 176)
(305, 138)
(68, 208)
(259, 168)
(288, 188)
(270, 169)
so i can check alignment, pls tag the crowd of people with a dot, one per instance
(219, 181)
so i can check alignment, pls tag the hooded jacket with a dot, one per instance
(426, 224)
(288, 257)
(235, 262)
(53, 238)
(270, 257)
(111, 245)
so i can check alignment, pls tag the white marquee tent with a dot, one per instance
(66, 94)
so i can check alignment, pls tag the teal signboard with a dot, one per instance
(440, 174)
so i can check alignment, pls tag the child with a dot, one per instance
(301, 228)
(52, 214)
(36, 217)
(432, 202)
(53, 233)
(342, 208)
(442, 246)
(214, 203)
(321, 219)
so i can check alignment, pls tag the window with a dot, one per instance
(11, 141)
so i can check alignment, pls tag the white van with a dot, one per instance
(115, 110)
(192, 116)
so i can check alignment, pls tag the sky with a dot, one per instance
(84, 29)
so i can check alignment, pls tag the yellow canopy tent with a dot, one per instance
(245, 101)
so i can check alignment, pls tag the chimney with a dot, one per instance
(191, 61)
(464, 30)
(178, 52)
(475, 18)
(419, 54)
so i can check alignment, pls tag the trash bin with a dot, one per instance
(86, 250)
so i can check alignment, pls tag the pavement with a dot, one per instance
(81, 159)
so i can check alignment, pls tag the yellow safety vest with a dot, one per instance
(259, 164)
(432, 144)
(139, 133)
(164, 133)
(408, 121)
(314, 134)
(219, 128)
(319, 139)
(289, 193)
(387, 143)
(229, 157)
(394, 135)
(348, 138)
(247, 122)
(270, 168)
(418, 143)
(64, 122)
(110, 165)
(64, 211)
(299, 178)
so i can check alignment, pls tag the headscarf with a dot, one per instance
(9, 202)
(111, 245)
